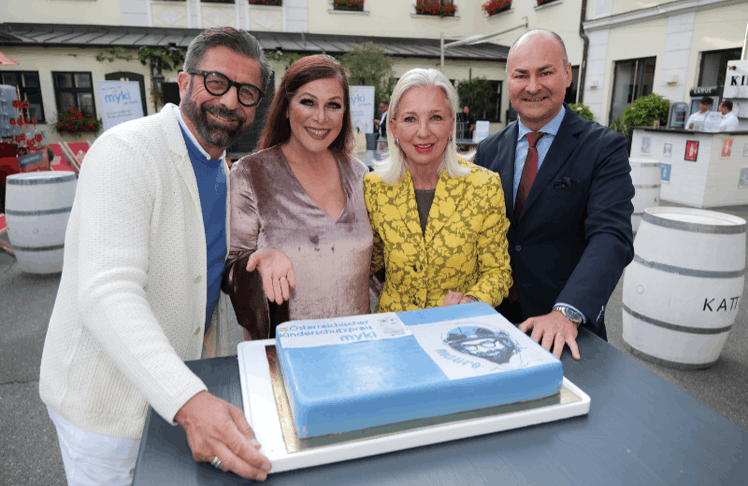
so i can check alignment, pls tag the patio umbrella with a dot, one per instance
(6, 60)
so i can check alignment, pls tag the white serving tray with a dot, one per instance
(263, 415)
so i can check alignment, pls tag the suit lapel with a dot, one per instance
(508, 144)
(563, 145)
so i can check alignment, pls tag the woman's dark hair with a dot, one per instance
(305, 70)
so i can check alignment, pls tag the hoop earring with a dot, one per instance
(397, 141)
(450, 138)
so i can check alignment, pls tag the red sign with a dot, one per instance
(692, 150)
(727, 147)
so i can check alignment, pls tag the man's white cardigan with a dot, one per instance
(132, 299)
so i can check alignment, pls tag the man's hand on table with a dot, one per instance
(555, 330)
(215, 428)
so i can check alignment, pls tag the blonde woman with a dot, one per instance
(439, 222)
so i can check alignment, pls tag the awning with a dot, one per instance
(6, 60)
(30, 34)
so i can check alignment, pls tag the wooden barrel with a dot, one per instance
(681, 292)
(645, 174)
(37, 208)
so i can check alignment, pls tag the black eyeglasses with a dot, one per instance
(218, 84)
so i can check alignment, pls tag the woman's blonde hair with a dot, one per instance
(390, 170)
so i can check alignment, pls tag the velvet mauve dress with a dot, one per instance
(331, 259)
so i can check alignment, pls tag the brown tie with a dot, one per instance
(529, 172)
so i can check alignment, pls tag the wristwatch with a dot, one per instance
(573, 315)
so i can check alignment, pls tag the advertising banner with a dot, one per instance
(362, 108)
(119, 101)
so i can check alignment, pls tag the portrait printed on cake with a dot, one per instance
(483, 343)
(478, 345)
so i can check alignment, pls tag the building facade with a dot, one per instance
(619, 50)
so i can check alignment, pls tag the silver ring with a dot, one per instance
(216, 463)
(561, 334)
(283, 278)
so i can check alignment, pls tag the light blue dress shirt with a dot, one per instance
(544, 144)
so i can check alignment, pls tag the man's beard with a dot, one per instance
(211, 132)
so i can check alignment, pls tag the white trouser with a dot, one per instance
(93, 459)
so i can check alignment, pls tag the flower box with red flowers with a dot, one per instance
(492, 7)
(437, 8)
(72, 121)
(350, 5)
(274, 3)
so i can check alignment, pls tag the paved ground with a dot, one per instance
(28, 443)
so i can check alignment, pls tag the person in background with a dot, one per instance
(439, 221)
(696, 120)
(729, 121)
(381, 125)
(299, 227)
(568, 199)
(469, 124)
(139, 295)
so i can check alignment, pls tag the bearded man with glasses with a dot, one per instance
(140, 290)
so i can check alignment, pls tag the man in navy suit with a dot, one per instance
(568, 194)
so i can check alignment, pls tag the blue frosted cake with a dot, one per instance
(357, 372)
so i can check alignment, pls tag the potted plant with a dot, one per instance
(437, 8)
(642, 113)
(353, 5)
(73, 122)
(265, 2)
(492, 7)
(581, 110)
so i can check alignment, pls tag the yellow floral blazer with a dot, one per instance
(464, 248)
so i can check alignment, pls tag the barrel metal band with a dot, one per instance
(48, 180)
(668, 363)
(675, 327)
(646, 186)
(41, 212)
(690, 272)
(38, 248)
(718, 229)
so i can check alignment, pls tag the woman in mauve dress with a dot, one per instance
(300, 236)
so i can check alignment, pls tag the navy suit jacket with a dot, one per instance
(574, 237)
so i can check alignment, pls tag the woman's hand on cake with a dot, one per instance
(276, 271)
(453, 298)
(553, 330)
(217, 429)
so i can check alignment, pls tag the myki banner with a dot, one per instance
(120, 102)
(362, 108)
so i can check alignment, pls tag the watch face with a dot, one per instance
(570, 314)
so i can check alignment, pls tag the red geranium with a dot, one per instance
(73, 121)
(495, 6)
(436, 8)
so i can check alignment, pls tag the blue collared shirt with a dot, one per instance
(544, 144)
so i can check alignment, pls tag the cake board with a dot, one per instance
(267, 411)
